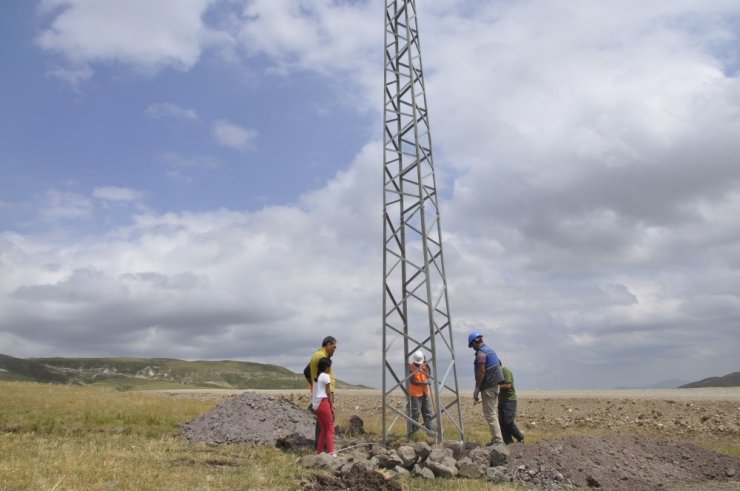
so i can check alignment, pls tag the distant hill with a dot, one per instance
(729, 380)
(153, 373)
(667, 384)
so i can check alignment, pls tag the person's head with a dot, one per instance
(324, 365)
(475, 340)
(329, 344)
(417, 358)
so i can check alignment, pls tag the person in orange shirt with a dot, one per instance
(419, 391)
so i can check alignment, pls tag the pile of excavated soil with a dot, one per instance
(623, 463)
(253, 418)
(619, 462)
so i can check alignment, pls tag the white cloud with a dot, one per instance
(148, 35)
(587, 162)
(213, 284)
(61, 205)
(234, 136)
(162, 110)
(114, 193)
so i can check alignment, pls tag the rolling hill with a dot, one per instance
(153, 373)
(729, 380)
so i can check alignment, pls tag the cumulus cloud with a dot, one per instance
(234, 136)
(587, 163)
(221, 284)
(148, 35)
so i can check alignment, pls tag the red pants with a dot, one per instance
(326, 421)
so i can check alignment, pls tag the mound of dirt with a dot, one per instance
(356, 478)
(622, 463)
(618, 462)
(251, 417)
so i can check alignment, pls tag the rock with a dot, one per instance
(445, 467)
(389, 460)
(378, 450)
(458, 448)
(496, 474)
(294, 440)
(499, 455)
(423, 449)
(408, 455)
(401, 471)
(438, 453)
(356, 426)
(323, 461)
(426, 473)
(730, 472)
(480, 456)
(466, 468)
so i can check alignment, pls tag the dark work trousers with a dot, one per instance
(506, 418)
(421, 405)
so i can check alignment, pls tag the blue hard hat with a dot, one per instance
(472, 337)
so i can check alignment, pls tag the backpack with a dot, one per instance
(307, 373)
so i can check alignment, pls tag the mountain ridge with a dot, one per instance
(127, 373)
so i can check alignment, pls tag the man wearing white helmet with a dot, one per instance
(488, 377)
(419, 390)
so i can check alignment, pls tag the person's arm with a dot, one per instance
(413, 380)
(329, 393)
(508, 382)
(480, 373)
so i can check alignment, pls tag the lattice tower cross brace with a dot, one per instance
(415, 303)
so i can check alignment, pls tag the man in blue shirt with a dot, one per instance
(488, 376)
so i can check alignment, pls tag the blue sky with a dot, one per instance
(200, 179)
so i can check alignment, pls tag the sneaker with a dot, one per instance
(333, 454)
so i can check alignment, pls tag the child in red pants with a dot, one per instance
(324, 408)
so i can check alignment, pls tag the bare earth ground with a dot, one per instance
(616, 439)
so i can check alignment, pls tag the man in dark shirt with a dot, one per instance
(507, 409)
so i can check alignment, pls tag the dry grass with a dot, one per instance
(71, 438)
(66, 438)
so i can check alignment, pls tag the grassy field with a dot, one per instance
(77, 438)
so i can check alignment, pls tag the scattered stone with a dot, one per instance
(480, 456)
(466, 468)
(496, 474)
(356, 426)
(458, 448)
(408, 455)
(423, 449)
(439, 453)
(389, 460)
(446, 467)
(499, 455)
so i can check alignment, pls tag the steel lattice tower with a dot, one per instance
(415, 304)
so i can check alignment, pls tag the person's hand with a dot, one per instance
(476, 394)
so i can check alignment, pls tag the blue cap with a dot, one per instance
(472, 337)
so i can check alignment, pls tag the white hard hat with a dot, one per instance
(417, 357)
